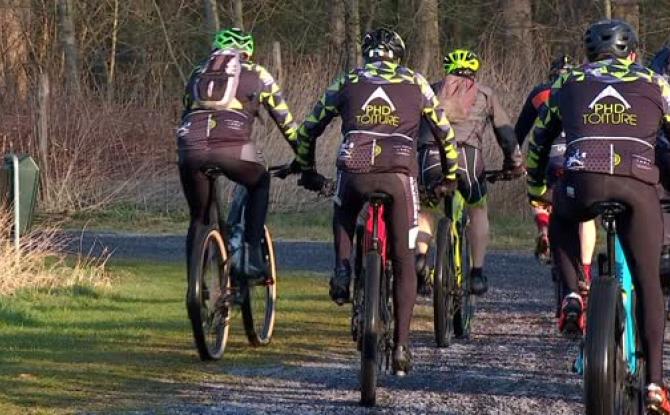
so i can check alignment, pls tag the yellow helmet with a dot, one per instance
(461, 62)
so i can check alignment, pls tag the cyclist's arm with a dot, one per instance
(187, 99)
(548, 127)
(504, 133)
(440, 127)
(317, 121)
(274, 102)
(526, 119)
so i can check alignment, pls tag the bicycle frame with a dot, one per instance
(455, 211)
(376, 232)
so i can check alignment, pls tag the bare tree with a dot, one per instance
(70, 48)
(428, 36)
(212, 24)
(336, 33)
(517, 16)
(14, 43)
(628, 10)
(238, 14)
(353, 31)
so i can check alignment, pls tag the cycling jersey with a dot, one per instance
(538, 96)
(610, 112)
(381, 105)
(471, 125)
(203, 128)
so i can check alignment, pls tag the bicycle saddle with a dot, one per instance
(608, 208)
(379, 198)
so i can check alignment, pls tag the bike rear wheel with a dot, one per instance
(465, 303)
(370, 350)
(259, 305)
(207, 304)
(604, 365)
(443, 287)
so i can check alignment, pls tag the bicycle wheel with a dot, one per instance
(559, 290)
(443, 287)
(465, 306)
(259, 306)
(208, 285)
(604, 368)
(370, 354)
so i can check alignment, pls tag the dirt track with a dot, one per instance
(514, 363)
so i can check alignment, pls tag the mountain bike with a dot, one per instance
(611, 359)
(372, 317)
(214, 291)
(453, 301)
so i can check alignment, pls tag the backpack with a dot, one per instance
(215, 86)
(661, 62)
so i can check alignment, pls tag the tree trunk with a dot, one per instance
(607, 6)
(65, 17)
(428, 37)
(627, 10)
(353, 28)
(43, 131)
(336, 33)
(212, 24)
(14, 20)
(238, 14)
(517, 16)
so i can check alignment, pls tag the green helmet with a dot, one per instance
(461, 62)
(234, 39)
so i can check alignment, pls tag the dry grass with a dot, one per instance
(105, 153)
(40, 263)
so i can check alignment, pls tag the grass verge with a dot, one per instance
(129, 346)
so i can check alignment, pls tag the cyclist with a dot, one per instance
(587, 230)
(610, 110)
(381, 105)
(222, 97)
(472, 109)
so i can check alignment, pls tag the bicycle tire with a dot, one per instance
(465, 304)
(370, 353)
(443, 287)
(600, 348)
(559, 290)
(210, 318)
(259, 304)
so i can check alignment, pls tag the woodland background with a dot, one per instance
(92, 88)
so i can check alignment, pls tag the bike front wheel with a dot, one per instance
(259, 305)
(465, 305)
(207, 298)
(370, 353)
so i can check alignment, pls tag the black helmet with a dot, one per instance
(383, 43)
(609, 39)
(560, 65)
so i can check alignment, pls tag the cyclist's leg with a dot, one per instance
(254, 177)
(587, 243)
(402, 222)
(641, 237)
(196, 187)
(430, 166)
(472, 187)
(348, 203)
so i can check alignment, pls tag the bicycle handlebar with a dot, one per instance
(282, 171)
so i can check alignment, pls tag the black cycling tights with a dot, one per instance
(640, 231)
(198, 190)
(401, 216)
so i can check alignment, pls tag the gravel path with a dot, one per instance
(514, 363)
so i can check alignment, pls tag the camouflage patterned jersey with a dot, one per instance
(381, 105)
(202, 128)
(610, 111)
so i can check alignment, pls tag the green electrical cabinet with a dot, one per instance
(29, 179)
